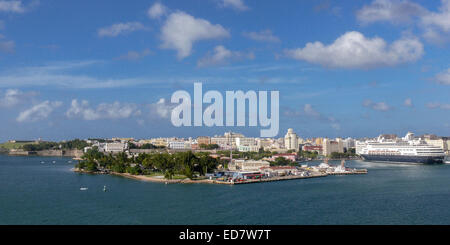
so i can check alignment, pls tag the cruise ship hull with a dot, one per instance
(405, 159)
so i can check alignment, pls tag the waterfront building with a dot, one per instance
(113, 147)
(160, 142)
(248, 148)
(441, 142)
(291, 140)
(122, 139)
(177, 145)
(248, 165)
(287, 156)
(226, 140)
(330, 146)
(348, 143)
(245, 141)
(265, 143)
(116, 147)
(221, 141)
(279, 171)
(204, 140)
(318, 141)
(313, 148)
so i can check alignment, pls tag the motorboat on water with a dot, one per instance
(83, 189)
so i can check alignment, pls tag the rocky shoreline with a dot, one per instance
(148, 178)
(45, 153)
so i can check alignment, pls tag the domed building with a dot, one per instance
(291, 140)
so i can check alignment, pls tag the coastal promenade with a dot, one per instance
(161, 179)
(271, 179)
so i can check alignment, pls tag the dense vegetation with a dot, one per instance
(281, 161)
(308, 154)
(181, 163)
(145, 146)
(209, 147)
(40, 146)
(347, 154)
(66, 145)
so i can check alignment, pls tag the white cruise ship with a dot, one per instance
(407, 149)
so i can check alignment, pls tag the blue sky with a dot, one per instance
(78, 69)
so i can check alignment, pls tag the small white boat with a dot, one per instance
(54, 162)
(83, 188)
(104, 188)
(69, 161)
(42, 162)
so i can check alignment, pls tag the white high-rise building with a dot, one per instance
(330, 146)
(291, 140)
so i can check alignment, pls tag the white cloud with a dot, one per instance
(443, 77)
(394, 11)
(434, 105)
(157, 10)
(162, 108)
(354, 50)
(62, 74)
(436, 25)
(13, 6)
(234, 4)
(7, 46)
(115, 110)
(221, 55)
(181, 31)
(38, 112)
(408, 102)
(13, 97)
(377, 106)
(135, 55)
(120, 28)
(262, 36)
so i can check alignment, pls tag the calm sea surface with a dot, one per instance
(32, 192)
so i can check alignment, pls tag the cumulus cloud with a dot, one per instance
(354, 50)
(13, 6)
(395, 11)
(180, 31)
(437, 24)
(120, 29)
(437, 105)
(262, 36)
(38, 112)
(161, 109)
(157, 10)
(13, 97)
(7, 46)
(443, 77)
(221, 55)
(377, 106)
(135, 55)
(238, 5)
(408, 102)
(115, 110)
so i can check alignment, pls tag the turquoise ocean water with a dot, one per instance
(32, 192)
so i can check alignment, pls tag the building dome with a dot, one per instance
(291, 140)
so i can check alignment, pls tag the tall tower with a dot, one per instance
(291, 140)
